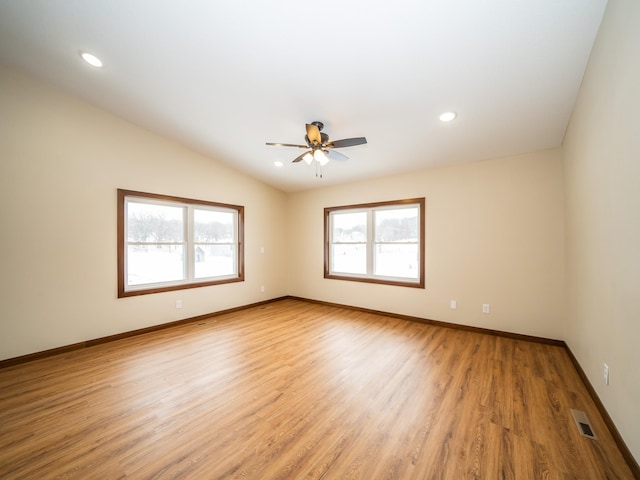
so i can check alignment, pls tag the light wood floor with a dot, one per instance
(295, 390)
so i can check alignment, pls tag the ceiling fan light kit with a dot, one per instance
(318, 155)
(321, 149)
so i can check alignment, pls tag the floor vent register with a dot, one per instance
(583, 424)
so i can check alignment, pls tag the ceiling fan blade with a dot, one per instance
(300, 157)
(286, 145)
(333, 155)
(313, 134)
(347, 142)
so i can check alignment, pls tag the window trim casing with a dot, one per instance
(122, 195)
(369, 279)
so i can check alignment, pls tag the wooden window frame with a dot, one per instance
(122, 244)
(371, 278)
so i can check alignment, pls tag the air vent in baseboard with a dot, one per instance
(583, 424)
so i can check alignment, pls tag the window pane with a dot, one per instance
(170, 243)
(399, 260)
(376, 242)
(154, 223)
(154, 263)
(215, 260)
(349, 227)
(399, 225)
(212, 226)
(349, 259)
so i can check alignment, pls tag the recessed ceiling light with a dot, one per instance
(448, 116)
(91, 59)
(278, 163)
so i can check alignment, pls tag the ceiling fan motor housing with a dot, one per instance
(324, 138)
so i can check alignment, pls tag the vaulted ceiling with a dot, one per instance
(224, 77)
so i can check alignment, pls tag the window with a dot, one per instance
(170, 243)
(376, 242)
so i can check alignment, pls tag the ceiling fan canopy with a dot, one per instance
(320, 148)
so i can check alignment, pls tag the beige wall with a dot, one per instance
(602, 150)
(61, 162)
(494, 234)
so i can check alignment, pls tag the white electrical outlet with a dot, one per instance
(262, 288)
(453, 304)
(178, 303)
(606, 374)
(486, 308)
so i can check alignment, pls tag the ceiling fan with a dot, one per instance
(321, 149)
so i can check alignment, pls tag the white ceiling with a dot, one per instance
(225, 76)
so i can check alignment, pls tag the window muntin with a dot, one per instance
(169, 243)
(379, 243)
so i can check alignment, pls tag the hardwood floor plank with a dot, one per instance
(295, 390)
